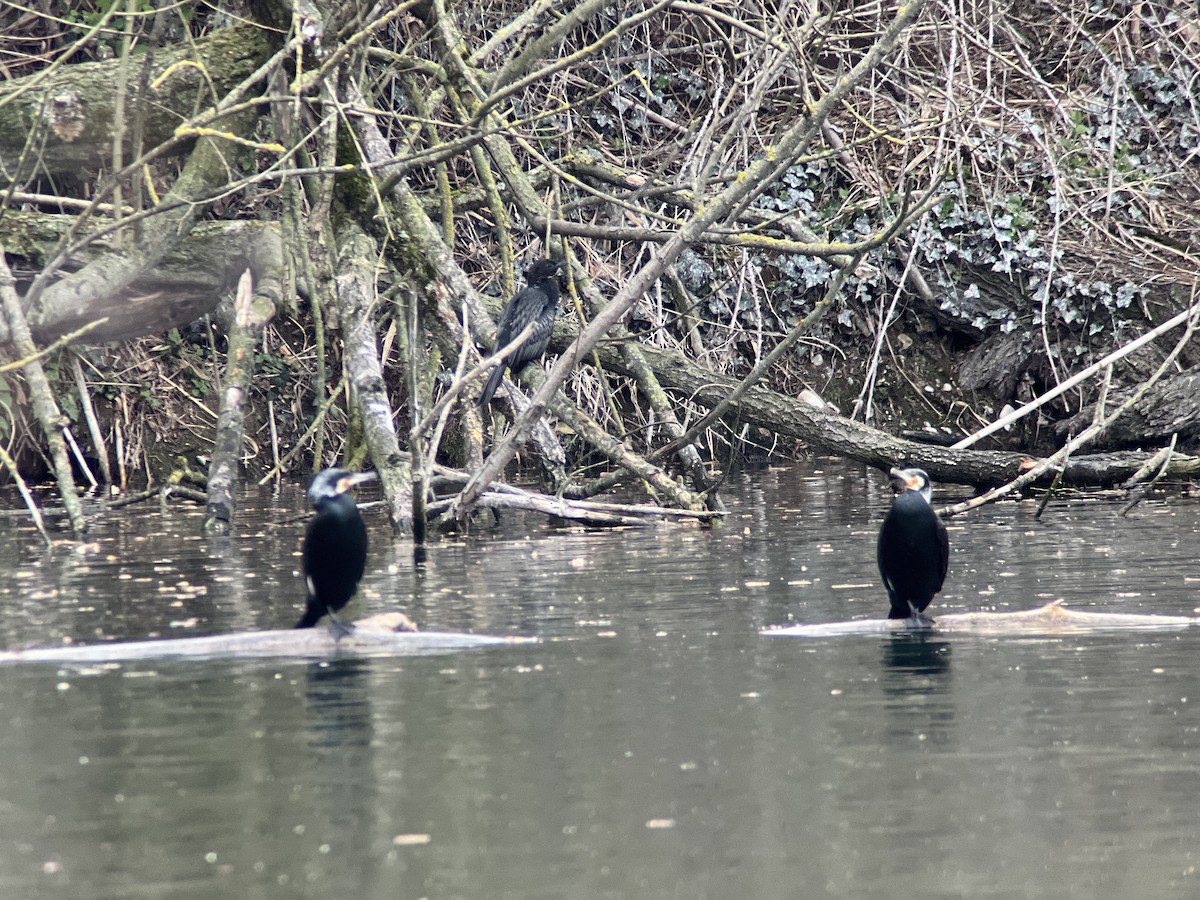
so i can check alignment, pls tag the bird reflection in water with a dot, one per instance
(910, 653)
(919, 708)
(340, 765)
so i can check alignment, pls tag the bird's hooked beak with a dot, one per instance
(350, 479)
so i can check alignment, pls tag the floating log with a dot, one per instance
(389, 634)
(1053, 618)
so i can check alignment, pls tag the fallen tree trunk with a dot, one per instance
(386, 634)
(1171, 407)
(1053, 618)
(186, 284)
(832, 433)
(69, 112)
(138, 250)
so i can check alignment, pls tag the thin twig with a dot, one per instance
(1159, 463)
(89, 415)
(30, 504)
(58, 344)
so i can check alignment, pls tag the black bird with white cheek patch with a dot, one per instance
(335, 548)
(913, 550)
(537, 302)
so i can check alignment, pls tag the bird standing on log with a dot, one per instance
(913, 550)
(335, 548)
(537, 302)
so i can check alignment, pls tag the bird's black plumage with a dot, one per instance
(537, 302)
(913, 550)
(335, 547)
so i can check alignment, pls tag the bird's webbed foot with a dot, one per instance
(339, 627)
(918, 619)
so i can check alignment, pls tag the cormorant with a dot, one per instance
(913, 550)
(335, 548)
(537, 302)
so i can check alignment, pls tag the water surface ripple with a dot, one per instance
(651, 746)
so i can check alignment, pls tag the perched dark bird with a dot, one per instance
(335, 547)
(913, 550)
(537, 302)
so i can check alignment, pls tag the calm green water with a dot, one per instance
(651, 746)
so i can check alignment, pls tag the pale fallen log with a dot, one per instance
(589, 512)
(1053, 618)
(388, 634)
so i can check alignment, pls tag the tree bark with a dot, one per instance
(61, 122)
(356, 294)
(244, 327)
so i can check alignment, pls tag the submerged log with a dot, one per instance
(1053, 618)
(388, 634)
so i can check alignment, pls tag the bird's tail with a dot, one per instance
(493, 382)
